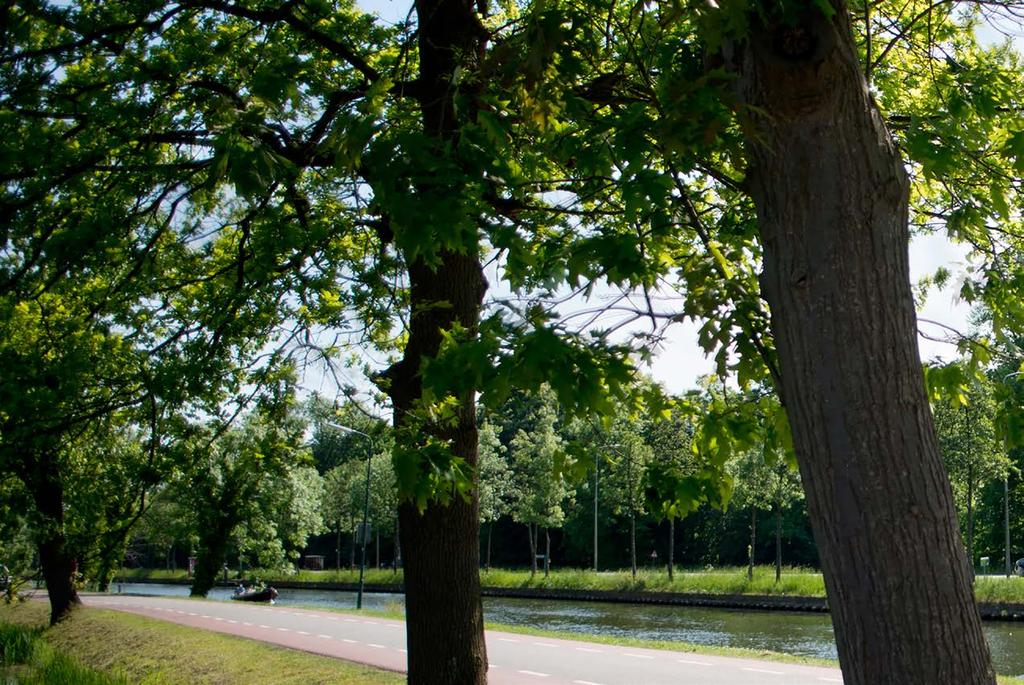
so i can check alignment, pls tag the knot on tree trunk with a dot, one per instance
(794, 67)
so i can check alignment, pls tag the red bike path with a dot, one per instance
(515, 659)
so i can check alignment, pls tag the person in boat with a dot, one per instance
(1018, 567)
(240, 590)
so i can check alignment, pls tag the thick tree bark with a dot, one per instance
(58, 565)
(831, 197)
(444, 614)
(212, 553)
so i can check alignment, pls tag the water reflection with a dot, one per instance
(776, 631)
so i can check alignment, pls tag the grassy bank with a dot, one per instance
(796, 582)
(732, 580)
(27, 659)
(124, 648)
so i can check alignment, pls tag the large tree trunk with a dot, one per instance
(212, 553)
(58, 565)
(444, 614)
(831, 197)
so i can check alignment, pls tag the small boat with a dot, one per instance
(266, 594)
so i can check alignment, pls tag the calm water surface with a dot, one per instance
(777, 631)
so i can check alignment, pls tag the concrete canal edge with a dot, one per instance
(990, 611)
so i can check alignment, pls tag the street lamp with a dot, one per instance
(366, 505)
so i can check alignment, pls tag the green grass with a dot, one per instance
(122, 648)
(135, 649)
(733, 580)
(26, 658)
(796, 581)
(998, 589)
(730, 580)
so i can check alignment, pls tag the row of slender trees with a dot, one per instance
(544, 472)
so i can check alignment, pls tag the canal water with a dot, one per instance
(802, 634)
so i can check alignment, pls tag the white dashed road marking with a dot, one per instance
(535, 673)
(695, 663)
(762, 670)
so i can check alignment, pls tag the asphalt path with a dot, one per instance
(515, 659)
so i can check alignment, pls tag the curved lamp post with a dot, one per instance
(366, 505)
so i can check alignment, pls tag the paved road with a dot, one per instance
(514, 659)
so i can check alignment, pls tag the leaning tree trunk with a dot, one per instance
(58, 565)
(831, 194)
